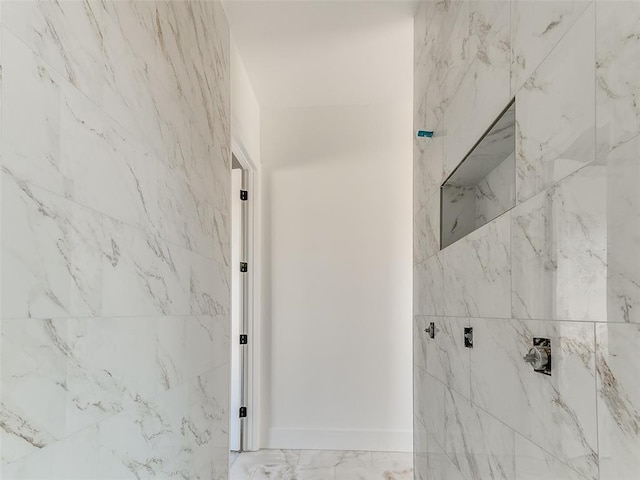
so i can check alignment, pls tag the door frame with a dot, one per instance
(254, 291)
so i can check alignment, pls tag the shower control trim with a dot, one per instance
(431, 330)
(539, 356)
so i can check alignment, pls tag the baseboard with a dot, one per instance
(321, 439)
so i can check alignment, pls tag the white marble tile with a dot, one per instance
(536, 28)
(477, 272)
(209, 287)
(394, 465)
(420, 465)
(623, 233)
(283, 462)
(617, 367)
(99, 100)
(617, 64)
(556, 111)
(428, 284)
(479, 445)
(490, 25)
(557, 411)
(456, 54)
(72, 458)
(426, 229)
(33, 368)
(106, 167)
(190, 220)
(322, 465)
(458, 213)
(559, 250)
(169, 435)
(91, 369)
(429, 405)
(31, 98)
(439, 465)
(420, 432)
(495, 194)
(69, 36)
(52, 253)
(420, 340)
(447, 357)
(142, 275)
(427, 166)
(482, 95)
(534, 463)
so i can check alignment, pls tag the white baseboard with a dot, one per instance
(321, 439)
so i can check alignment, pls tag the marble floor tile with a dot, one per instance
(322, 465)
(617, 366)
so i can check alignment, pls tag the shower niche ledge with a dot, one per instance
(482, 187)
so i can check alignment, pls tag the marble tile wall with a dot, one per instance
(562, 264)
(114, 220)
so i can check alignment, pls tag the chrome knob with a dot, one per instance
(538, 357)
(431, 330)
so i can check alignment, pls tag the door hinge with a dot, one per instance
(244, 195)
(244, 339)
(243, 412)
(468, 337)
(244, 267)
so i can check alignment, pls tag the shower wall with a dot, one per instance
(564, 264)
(115, 252)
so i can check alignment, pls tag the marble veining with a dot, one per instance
(559, 245)
(321, 465)
(618, 400)
(617, 82)
(556, 112)
(115, 253)
(562, 264)
(477, 272)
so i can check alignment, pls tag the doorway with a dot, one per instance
(239, 340)
(245, 297)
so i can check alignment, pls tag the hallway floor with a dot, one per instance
(321, 465)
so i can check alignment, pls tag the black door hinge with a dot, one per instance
(244, 339)
(468, 337)
(244, 267)
(243, 412)
(244, 195)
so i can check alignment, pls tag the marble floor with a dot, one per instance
(320, 465)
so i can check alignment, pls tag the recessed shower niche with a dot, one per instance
(482, 187)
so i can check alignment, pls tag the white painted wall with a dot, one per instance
(339, 193)
(245, 110)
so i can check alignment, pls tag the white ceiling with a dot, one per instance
(323, 53)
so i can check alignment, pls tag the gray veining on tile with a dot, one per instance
(321, 465)
(115, 217)
(617, 366)
(559, 247)
(556, 112)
